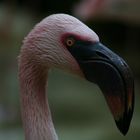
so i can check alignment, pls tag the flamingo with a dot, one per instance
(62, 41)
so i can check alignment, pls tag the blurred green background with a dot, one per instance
(78, 107)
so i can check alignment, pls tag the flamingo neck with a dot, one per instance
(36, 115)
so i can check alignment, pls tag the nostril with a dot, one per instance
(101, 55)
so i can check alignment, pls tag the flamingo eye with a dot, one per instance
(70, 41)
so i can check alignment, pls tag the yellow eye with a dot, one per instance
(70, 42)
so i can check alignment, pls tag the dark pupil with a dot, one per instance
(69, 42)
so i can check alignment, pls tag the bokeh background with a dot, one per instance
(78, 107)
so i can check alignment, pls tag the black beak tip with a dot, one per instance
(123, 129)
(124, 123)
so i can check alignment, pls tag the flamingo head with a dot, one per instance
(64, 42)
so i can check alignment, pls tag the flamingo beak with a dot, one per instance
(111, 73)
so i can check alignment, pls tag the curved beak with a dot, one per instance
(111, 73)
